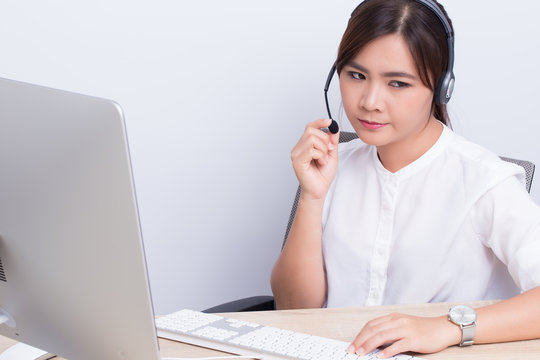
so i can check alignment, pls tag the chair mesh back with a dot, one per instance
(348, 136)
(529, 170)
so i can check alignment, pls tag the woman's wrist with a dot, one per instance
(450, 331)
(310, 200)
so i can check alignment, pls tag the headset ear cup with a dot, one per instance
(445, 88)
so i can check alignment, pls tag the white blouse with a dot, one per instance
(455, 225)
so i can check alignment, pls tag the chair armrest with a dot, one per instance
(254, 303)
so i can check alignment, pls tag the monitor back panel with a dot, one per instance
(73, 277)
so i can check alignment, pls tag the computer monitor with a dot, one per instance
(73, 277)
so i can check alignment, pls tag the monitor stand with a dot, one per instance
(21, 351)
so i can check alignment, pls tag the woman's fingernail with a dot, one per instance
(360, 351)
(330, 146)
(350, 349)
(380, 355)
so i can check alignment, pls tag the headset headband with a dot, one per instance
(446, 85)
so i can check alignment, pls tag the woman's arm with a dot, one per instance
(298, 279)
(517, 318)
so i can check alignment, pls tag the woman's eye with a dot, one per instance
(398, 84)
(356, 75)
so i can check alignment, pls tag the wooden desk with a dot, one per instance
(343, 324)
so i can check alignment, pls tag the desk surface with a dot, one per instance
(344, 323)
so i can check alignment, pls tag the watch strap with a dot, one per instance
(467, 334)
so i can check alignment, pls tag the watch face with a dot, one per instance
(462, 315)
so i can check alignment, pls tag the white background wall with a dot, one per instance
(215, 95)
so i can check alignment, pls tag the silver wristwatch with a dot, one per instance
(464, 317)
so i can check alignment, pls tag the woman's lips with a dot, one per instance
(370, 124)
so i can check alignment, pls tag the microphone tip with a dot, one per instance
(334, 128)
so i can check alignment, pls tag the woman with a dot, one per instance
(415, 213)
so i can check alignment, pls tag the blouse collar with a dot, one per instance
(421, 162)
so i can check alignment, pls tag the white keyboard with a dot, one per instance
(247, 338)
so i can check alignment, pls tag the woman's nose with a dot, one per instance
(371, 98)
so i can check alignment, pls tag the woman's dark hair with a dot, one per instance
(419, 26)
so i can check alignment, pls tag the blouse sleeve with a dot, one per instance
(508, 222)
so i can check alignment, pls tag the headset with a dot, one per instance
(445, 85)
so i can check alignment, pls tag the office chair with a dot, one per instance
(265, 302)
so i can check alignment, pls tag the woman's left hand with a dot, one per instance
(406, 333)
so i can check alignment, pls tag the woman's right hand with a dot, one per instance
(315, 159)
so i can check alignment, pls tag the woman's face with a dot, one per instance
(383, 96)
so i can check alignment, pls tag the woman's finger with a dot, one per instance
(397, 347)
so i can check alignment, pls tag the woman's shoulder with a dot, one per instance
(477, 162)
(475, 154)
